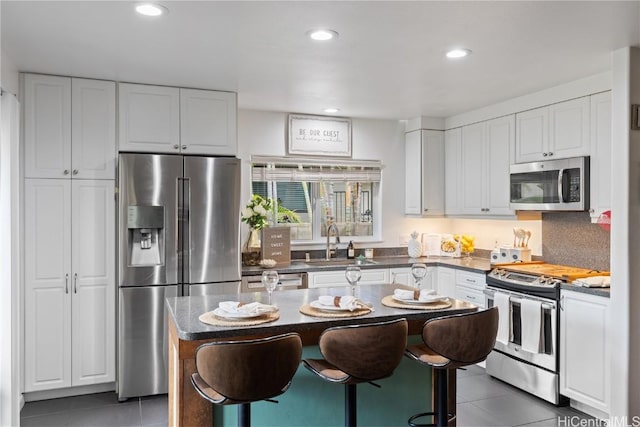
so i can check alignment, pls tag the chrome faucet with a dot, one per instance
(332, 227)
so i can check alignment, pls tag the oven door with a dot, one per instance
(547, 357)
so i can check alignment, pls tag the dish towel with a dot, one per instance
(347, 302)
(594, 282)
(417, 295)
(235, 307)
(504, 317)
(531, 321)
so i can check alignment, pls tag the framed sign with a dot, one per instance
(319, 136)
(276, 244)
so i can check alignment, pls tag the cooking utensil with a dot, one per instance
(528, 235)
(519, 234)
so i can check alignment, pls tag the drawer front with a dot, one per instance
(471, 280)
(471, 295)
(325, 279)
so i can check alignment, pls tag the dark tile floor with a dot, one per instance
(482, 401)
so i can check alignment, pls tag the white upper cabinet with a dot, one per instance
(553, 132)
(452, 165)
(69, 127)
(149, 118)
(47, 126)
(162, 119)
(208, 122)
(424, 173)
(600, 167)
(484, 170)
(93, 129)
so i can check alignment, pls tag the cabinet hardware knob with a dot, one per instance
(176, 146)
(550, 154)
(66, 172)
(591, 210)
(75, 171)
(184, 147)
(66, 283)
(544, 154)
(75, 283)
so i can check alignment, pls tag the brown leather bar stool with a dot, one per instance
(241, 372)
(452, 342)
(359, 353)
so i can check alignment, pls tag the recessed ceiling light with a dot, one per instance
(150, 9)
(331, 110)
(322, 35)
(458, 53)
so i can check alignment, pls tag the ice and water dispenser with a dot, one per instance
(145, 226)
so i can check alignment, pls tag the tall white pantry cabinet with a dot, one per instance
(69, 231)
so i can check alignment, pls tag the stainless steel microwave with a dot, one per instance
(552, 185)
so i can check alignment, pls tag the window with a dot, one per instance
(309, 194)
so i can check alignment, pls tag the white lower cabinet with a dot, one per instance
(584, 354)
(447, 281)
(69, 275)
(327, 279)
(403, 276)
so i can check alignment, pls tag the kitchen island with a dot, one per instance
(309, 401)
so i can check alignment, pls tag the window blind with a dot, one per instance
(314, 170)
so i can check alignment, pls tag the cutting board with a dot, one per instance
(551, 270)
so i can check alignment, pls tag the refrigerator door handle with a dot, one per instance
(186, 232)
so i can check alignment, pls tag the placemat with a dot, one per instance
(390, 302)
(310, 311)
(211, 319)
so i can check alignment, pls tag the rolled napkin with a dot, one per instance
(347, 302)
(594, 282)
(415, 295)
(253, 308)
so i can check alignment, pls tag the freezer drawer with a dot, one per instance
(142, 337)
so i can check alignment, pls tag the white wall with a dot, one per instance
(624, 317)
(9, 74)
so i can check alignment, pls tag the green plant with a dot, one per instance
(255, 214)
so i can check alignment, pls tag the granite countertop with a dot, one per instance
(184, 312)
(601, 292)
(478, 265)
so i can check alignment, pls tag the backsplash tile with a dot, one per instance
(569, 238)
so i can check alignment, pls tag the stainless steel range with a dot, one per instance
(535, 372)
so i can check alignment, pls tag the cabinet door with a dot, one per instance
(149, 118)
(47, 126)
(600, 165)
(326, 279)
(452, 162)
(500, 139)
(447, 282)
(93, 293)
(472, 170)
(569, 129)
(93, 129)
(584, 354)
(432, 173)
(401, 276)
(473, 296)
(47, 268)
(413, 173)
(532, 135)
(208, 122)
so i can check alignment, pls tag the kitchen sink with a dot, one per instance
(340, 262)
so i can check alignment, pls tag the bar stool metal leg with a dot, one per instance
(350, 407)
(442, 397)
(244, 415)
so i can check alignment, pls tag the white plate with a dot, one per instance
(226, 315)
(430, 300)
(317, 305)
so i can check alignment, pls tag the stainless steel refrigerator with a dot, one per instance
(179, 234)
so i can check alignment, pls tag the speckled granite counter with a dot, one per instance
(184, 312)
(479, 265)
(601, 292)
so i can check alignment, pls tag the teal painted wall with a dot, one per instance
(313, 402)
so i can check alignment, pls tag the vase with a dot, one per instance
(251, 248)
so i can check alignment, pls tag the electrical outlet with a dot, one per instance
(403, 240)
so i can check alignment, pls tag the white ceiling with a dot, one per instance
(388, 61)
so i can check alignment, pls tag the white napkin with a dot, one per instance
(594, 282)
(254, 308)
(531, 321)
(425, 295)
(347, 302)
(501, 301)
